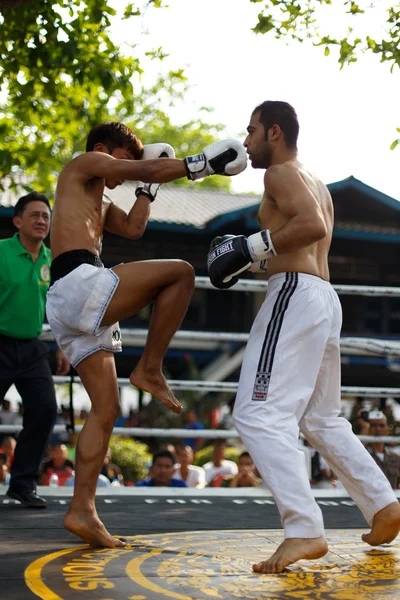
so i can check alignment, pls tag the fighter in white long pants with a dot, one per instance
(290, 377)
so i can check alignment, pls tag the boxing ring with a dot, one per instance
(198, 544)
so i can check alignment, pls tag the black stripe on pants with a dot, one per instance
(274, 327)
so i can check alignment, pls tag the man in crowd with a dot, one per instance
(192, 422)
(7, 447)
(219, 465)
(111, 471)
(4, 472)
(193, 476)
(246, 476)
(386, 459)
(24, 281)
(59, 465)
(162, 472)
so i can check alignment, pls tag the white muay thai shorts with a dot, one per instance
(76, 304)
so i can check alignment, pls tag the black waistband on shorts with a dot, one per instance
(68, 261)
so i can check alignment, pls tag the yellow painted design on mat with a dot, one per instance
(134, 573)
(33, 574)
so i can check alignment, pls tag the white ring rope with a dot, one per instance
(251, 285)
(210, 434)
(348, 345)
(231, 387)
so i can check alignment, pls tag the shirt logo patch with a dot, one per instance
(45, 272)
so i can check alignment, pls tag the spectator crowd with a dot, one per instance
(172, 465)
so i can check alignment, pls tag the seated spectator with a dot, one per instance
(386, 459)
(162, 470)
(219, 465)
(246, 475)
(111, 471)
(193, 476)
(59, 464)
(191, 422)
(7, 416)
(4, 472)
(7, 447)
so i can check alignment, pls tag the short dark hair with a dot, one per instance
(115, 135)
(274, 112)
(245, 454)
(24, 201)
(163, 454)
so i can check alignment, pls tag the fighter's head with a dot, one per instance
(117, 140)
(273, 124)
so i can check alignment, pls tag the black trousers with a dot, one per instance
(25, 364)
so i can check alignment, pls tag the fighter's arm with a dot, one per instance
(305, 223)
(231, 255)
(99, 164)
(129, 225)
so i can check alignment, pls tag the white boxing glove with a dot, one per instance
(151, 152)
(160, 150)
(227, 157)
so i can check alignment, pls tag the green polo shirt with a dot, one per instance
(23, 289)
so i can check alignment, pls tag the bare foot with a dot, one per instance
(156, 385)
(290, 551)
(385, 526)
(91, 530)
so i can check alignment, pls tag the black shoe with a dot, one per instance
(29, 499)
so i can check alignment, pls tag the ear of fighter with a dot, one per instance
(226, 157)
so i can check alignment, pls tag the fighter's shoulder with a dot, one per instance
(281, 173)
(82, 162)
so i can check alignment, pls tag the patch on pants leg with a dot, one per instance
(261, 385)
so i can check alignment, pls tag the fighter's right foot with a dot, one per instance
(156, 385)
(385, 526)
(91, 530)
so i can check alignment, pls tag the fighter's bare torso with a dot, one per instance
(312, 259)
(80, 211)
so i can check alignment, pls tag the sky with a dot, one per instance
(348, 117)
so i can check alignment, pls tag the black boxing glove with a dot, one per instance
(219, 248)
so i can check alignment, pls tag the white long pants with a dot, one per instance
(290, 380)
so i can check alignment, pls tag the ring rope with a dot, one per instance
(231, 386)
(251, 285)
(137, 337)
(185, 433)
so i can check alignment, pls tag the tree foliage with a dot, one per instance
(61, 73)
(301, 20)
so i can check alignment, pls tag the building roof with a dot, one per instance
(190, 207)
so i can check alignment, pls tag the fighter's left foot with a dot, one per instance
(156, 384)
(290, 551)
(385, 526)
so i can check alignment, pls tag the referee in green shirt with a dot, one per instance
(24, 281)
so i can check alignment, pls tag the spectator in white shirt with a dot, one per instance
(193, 476)
(7, 416)
(219, 465)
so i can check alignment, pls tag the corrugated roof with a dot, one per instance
(186, 205)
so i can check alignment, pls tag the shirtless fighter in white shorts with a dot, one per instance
(86, 300)
(290, 377)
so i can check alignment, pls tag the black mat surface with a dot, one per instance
(26, 535)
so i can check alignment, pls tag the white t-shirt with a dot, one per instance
(196, 477)
(7, 417)
(227, 467)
